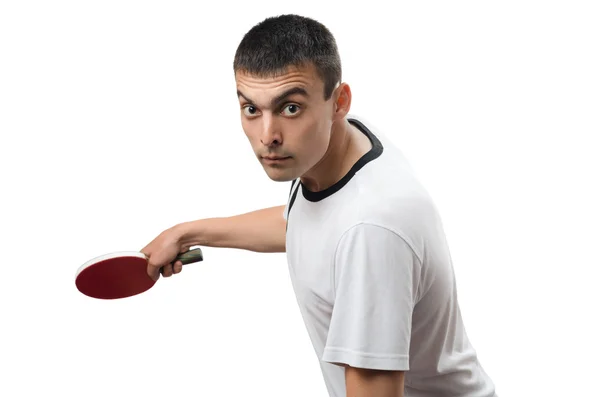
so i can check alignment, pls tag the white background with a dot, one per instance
(119, 119)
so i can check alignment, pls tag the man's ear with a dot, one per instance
(342, 97)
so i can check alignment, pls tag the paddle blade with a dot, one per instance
(113, 278)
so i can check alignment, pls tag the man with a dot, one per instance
(366, 251)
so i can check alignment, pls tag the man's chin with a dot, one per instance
(280, 175)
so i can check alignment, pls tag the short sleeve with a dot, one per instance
(375, 277)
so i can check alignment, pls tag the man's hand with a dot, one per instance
(162, 251)
(374, 383)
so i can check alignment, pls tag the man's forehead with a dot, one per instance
(303, 76)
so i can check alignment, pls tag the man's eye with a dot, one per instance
(291, 110)
(250, 110)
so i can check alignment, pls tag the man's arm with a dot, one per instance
(260, 231)
(374, 383)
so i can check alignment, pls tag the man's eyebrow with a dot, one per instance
(275, 102)
(239, 93)
(292, 91)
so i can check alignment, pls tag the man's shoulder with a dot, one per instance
(396, 208)
(412, 215)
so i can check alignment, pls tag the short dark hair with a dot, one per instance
(279, 42)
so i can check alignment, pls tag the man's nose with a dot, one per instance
(271, 133)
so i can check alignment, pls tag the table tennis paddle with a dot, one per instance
(121, 274)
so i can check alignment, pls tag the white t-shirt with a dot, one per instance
(374, 281)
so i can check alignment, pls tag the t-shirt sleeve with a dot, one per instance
(375, 276)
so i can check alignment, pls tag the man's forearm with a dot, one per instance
(260, 231)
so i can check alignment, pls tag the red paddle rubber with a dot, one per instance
(121, 274)
(115, 278)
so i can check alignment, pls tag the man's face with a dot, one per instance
(286, 119)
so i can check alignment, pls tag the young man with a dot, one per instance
(366, 251)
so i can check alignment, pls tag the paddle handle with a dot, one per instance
(191, 256)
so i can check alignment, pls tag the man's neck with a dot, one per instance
(346, 146)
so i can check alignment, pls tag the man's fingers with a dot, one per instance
(153, 272)
(177, 266)
(167, 270)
